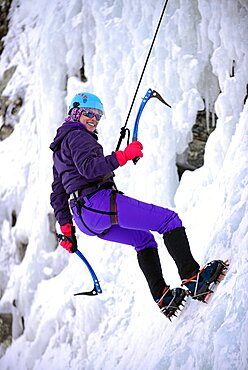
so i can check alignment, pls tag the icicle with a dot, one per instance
(207, 107)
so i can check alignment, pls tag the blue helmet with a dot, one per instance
(86, 100)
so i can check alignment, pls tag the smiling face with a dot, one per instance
(90, 122)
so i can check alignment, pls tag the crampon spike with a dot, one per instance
(223, 271)
(207, 296)
(220, 278)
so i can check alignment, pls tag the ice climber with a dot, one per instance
(84, 190)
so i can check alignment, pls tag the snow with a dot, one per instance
(198, 44)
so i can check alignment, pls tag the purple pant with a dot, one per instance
(135, 220)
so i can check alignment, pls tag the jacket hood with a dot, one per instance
(64, 130)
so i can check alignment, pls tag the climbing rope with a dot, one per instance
(125, 130)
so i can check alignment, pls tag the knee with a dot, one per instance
(172, 222)
(175, 222)
(145, 240)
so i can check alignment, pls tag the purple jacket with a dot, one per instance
(79, 163)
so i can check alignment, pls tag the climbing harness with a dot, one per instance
(124, 129)
(80, 203)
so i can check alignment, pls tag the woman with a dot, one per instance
(83, 189)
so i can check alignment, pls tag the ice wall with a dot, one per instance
(200, 56)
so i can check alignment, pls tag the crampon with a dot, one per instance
(171, 301)
(202, 285)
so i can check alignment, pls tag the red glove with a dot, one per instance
(132, 150)
(70, 241)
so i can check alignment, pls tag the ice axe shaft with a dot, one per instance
(149, 94)
(97, 288)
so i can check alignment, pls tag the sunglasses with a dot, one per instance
(90, 114)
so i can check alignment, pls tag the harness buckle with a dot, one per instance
(74, 195)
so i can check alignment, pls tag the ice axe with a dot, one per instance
(97, 288)
(149, 94)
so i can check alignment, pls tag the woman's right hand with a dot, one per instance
(132, 151)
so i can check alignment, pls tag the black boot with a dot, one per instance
(168, 300)
(149, 263)
(177, 244)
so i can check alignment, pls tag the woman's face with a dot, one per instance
(90, 119)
